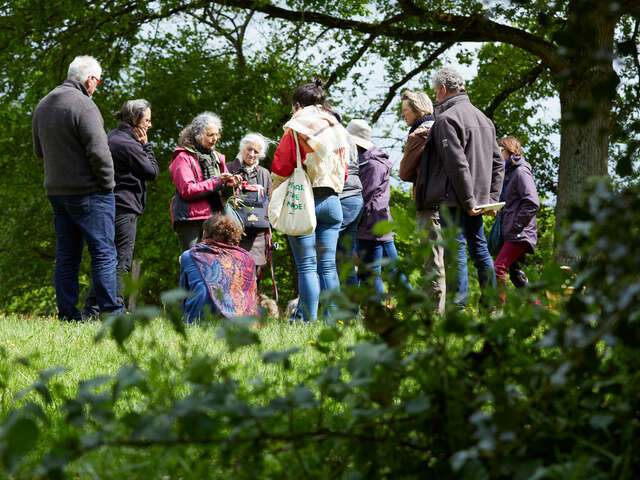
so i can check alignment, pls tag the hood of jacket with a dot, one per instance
(374, 154)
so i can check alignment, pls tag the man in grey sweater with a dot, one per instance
(465, 152)
(68, 133)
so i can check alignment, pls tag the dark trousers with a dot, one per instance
(79, 219)
(189, 233)
(125, 239)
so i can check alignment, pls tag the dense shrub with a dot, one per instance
(542, 390)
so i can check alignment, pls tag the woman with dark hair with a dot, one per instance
(325, 148)
(134, 164)
(219, 275)
(199, 173)
(519, 228)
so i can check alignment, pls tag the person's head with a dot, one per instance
(253, 147)
(221, 229)
(446, 82)
(86, 70)
(510, 146)
(360, 132)
(204, 130)
(136, 113)
(309, 94)
(415, 105)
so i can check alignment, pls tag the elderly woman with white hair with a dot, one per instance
(256, 187)
(199, 173)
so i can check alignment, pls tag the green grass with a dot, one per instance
(29, 345)
(43, 343)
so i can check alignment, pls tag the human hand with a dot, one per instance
(141, 133)
(491, 213)
(226, 179)
(475, 211)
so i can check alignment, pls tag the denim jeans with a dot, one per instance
(352, 208)
(125, 239)
(78, 219)
(315, 256)
(372, 252)
(472, 233)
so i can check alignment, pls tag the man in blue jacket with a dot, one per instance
(68, 133)
(464, 169)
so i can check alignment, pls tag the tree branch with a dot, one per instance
(394, 88)
(478, 28)
(636, 60)
(351, 62)
(525, 79)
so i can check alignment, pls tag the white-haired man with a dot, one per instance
(68, 133)
(462, 146)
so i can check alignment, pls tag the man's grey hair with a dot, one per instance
(132, 111)
(83, 67)
(450, 78)
(256, 139)
(193, 132)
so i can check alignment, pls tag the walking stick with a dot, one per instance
(272, 246)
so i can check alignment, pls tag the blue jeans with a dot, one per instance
(78, 219)
(315, 256)
(371, 252)
(472, 234)
(125, 239)
(352, 208)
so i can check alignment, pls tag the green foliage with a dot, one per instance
(542, 391)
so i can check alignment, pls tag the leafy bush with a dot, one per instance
(532, 393)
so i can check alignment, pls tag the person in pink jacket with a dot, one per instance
(199, 173)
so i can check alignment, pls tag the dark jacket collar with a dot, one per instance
(77, 86)
(126, 128)
(449, 102)
(419, 122)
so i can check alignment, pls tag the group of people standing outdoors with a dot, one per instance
(96, 184)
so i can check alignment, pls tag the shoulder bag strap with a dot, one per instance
(298, 159)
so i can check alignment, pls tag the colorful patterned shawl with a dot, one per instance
(230, 276)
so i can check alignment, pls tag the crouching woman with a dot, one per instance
(219, 275)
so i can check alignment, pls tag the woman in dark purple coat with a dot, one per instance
(375, 169)
(519, 228)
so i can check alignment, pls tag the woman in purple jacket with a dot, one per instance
(519, 228)
(375, 169)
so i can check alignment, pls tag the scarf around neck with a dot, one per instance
(208, 161)
(419, 122)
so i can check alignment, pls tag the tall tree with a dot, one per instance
(572, 40)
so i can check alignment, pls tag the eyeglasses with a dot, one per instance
(97, 80)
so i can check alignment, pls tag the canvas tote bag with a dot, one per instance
(292, 208)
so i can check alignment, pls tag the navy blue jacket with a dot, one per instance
(134, 164)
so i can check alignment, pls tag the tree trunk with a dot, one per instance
(586, 100)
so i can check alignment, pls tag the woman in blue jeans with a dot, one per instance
(375, 170)
(325, 148)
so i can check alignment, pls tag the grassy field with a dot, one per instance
(29, 345)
